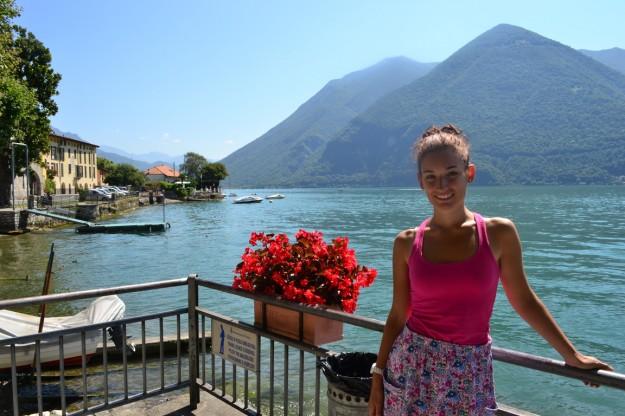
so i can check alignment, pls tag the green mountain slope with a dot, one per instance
(274, 157)
(614, 58)
(536, 111)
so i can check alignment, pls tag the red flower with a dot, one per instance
(308, 271)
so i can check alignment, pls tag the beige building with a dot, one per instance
(74, 163)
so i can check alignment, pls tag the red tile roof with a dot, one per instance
(162, 170)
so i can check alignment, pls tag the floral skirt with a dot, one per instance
(424, 376)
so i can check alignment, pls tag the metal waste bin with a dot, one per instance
(349, 382)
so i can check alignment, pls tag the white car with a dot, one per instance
(97, 194)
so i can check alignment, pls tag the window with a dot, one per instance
(69, 168)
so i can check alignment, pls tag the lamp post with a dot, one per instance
(13, 144)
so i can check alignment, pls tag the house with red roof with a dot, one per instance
(162, 173)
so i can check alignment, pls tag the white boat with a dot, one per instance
(248, 199)
(275, 196)
(15, 324)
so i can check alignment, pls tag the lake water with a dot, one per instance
(573, 240)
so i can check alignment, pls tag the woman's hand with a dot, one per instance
(586, 362)
(376, 397)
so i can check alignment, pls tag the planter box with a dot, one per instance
(285, 322)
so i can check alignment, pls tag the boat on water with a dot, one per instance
(15, 324)
(248, 199)
(275, 196)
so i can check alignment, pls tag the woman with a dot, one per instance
(435, 355)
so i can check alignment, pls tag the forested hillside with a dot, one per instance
(275, 156)
(537, 112)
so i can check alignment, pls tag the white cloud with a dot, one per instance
(229, 142)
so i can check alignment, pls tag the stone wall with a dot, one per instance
(12, 220)
(21, 219)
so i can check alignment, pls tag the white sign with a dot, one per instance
(235, 345)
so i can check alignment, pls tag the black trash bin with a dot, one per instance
(349, 382)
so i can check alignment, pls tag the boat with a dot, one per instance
(15, 324)
(248, 199)
(275, 196)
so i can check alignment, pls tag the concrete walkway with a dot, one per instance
(175, 403)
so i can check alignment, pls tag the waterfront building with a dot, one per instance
(71, 163)
(161, 173)
(74, 163)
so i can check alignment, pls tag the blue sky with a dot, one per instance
(210, 76)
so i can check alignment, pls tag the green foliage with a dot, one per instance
(49, 186)
(193, 165)
(125, 174)
(105, 166)
(27, 85)
(182, 192)
(82, 194)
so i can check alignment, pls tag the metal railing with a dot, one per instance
(600, 377)
(58, 338)
(252, 392)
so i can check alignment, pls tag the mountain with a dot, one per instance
(152, 158)
(117, 158)
(614, 58)
(537, 112)
(275, 156)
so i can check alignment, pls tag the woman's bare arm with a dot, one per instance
(397, 316)
(525, 301)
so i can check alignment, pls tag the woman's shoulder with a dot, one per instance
(404, 239)
(498, 225)
(501, 232)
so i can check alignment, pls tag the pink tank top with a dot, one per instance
(453, 302)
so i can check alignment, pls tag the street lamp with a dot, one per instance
(13, 144)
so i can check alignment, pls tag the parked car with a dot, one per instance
(117, 190)
(96, 194)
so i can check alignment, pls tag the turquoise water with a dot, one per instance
(573, 240)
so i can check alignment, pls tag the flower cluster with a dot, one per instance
(308, 271)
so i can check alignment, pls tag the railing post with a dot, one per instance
(194, 390)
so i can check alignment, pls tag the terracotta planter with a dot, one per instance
(285, 322)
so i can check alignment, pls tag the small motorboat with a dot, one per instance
(248, 199)
(15, 324)
(275, 196)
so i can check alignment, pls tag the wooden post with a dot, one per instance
(46, 288)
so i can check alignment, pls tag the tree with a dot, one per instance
(105, 166)
(125, 174)
(212, 173)
(192, 166)
(27, 85)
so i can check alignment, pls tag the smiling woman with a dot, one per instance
(435, 355)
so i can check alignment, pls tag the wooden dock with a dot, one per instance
(87, 227)
(123, 228)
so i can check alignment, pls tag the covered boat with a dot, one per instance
(15, 324)
(249, 199)
(275, 196)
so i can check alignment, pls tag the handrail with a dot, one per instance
(603, 377)
(92, 293)
(25, 339)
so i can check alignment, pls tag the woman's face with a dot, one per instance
(444, 177)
